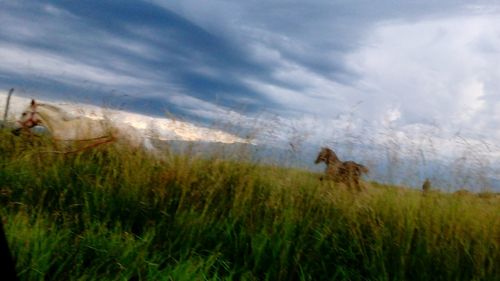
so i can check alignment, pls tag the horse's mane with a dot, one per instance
(65, 115)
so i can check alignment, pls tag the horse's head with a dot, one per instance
(326, 155)
(29, 118)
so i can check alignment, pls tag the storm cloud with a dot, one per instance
(329, 70)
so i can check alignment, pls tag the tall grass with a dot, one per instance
(116, 214)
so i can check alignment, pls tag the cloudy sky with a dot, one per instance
(325, 69)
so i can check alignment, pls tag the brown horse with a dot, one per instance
(347, 172)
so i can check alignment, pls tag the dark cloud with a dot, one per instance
(295, 58)
(127, 39)
(313, 34)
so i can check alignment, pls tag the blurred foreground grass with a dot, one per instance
(115, 214)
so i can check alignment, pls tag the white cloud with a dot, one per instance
(433, 69)
(29, 61)
(156, 127)
(471, 100)
(392, 115)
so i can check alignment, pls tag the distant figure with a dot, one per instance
(347, 172)
(462, 192)
(426, 186)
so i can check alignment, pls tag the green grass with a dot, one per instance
(115, 214)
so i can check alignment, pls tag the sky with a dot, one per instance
(421, 76)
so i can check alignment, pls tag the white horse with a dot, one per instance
(66, 128)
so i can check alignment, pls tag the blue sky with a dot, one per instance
(419, 72)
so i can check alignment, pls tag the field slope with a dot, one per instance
(115, 214)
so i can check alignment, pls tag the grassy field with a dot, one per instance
(115, 214)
